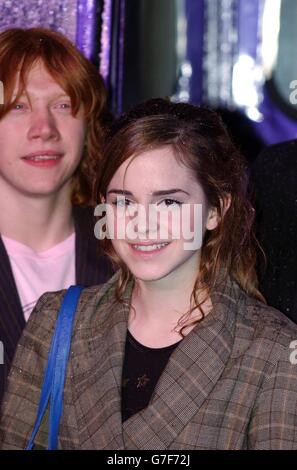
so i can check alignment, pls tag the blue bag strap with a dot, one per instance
(55, 374)
(65, 326)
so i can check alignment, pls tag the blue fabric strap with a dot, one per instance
(55, 374)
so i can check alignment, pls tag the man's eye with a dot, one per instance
(19, 106)
(64, 106)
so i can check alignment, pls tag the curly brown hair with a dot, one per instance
(20, 49)
(201, 142)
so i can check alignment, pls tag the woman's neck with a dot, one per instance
(157, 308)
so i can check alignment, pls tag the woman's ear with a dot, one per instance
(102, 199)
(213, 217)
(225, 203)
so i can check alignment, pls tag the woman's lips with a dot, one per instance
(140, 250)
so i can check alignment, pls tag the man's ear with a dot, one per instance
(213, 217)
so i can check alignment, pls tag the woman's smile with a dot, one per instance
(148, 250)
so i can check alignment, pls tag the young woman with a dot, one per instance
(178, 350)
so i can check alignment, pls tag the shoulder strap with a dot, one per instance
(55, 374)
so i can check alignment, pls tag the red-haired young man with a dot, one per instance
(52, 123)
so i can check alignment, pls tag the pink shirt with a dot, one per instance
(39, 272)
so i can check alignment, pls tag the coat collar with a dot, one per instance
(91, 265)
(193, 369)
(12, 320)
(85, 271)
(89, 270)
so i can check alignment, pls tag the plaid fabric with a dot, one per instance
(91, 266)
(228, 385)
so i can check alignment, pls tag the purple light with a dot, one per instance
(106, 40)
(85, 35)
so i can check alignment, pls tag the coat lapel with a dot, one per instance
(90, 269)
(193, 370)
(12, 320)
(98, 386)
(91, 265)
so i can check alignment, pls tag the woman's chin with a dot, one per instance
(146, 276)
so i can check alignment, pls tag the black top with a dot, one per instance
(141, 371)
(274, 183)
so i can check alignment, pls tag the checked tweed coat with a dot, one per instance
(91, 267)
(228, 385)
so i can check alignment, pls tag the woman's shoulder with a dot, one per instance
(265, 331)
(43, 318)
(263, 314)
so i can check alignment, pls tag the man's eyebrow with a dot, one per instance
(163, 192)
(54, 96)
(61, 95)
(14, 95)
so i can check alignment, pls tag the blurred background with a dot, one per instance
(237, 56)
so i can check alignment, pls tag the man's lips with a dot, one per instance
(43, 154)
(43, 158)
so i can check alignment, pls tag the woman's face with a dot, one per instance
(157, 216)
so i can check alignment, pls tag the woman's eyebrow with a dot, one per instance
(163, 192)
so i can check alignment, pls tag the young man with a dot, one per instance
(52, 124)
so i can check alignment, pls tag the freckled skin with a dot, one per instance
(43, 123)
(149, 172)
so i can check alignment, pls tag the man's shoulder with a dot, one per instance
(277, 156)
(274, 176)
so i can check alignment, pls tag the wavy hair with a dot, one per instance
(201, 142)
(20, 49)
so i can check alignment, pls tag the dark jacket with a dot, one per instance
(229, 384)
(92, 267)
(274, 187)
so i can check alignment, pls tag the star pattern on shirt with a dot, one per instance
(142, 381)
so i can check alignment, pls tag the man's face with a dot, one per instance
(41, 143)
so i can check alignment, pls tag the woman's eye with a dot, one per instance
(121, 202)
(170, 203)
